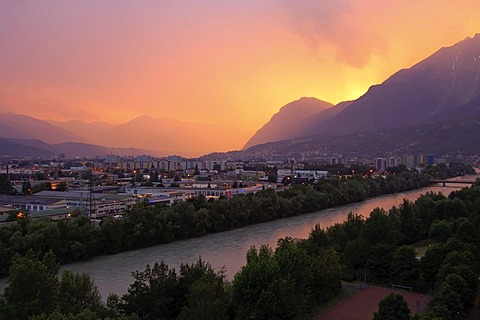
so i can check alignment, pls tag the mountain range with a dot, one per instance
(142, 135)
(443, 89)
(432, 107)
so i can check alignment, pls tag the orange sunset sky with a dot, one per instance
(231, 63)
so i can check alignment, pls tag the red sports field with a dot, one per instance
(364, 304)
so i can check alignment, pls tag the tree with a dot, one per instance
(111, 232)
(260, 291)
(378, 228)
(357, 253)
(83, 315)
(138, 177)
(459, 263)
(432, 261)
(440, 231)
(5, 184)
(405, 266)
(203, 291)
(42, 186)
(446, 304)
(467, 233)
(295, 263)
(62, 186)
(379, 262)
(392, 307)
(205, 301)
(272, 177)
(32, 288)
(153, 294)
(410, 223)
(154, 176)
(326, 274)
(77, 292)
(26, 187)
(458, 284)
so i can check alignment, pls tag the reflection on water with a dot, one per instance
(226, 249)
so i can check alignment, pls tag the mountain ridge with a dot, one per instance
(442, 87)
(286, 119)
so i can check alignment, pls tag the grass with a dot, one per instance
(343, 295)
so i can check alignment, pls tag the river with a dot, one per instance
(227, 249)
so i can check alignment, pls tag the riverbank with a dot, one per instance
(112, 273)
(227, 249)
(78, 239)
(267, 267)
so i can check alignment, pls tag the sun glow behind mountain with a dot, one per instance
(224, 63)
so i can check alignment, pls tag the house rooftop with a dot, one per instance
(80, 195)
(52, 212)
(19, 200)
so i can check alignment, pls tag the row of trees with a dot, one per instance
(281, 284)
(443, 171)
(144, 225)
(36, 292)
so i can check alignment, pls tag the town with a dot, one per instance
(109, 186)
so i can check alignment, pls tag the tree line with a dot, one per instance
(79, 239)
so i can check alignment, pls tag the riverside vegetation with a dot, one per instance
(284, 283)
(79, 239)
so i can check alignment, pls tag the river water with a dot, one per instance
(227, 249)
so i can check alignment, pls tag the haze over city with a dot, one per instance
(231, 65)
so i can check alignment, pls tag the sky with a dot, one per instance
(228, 63)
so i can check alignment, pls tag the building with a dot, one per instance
(393, 162)
(409, 161)
(54, 214)
(32, 203)
(95, 205)
(6, 210)
(310, 174)
(430, 159)
(380, 164)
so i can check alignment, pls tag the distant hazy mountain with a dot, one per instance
(169, 136)
(92, 132)
(282, 125)
(34, 143)
(13, 149)
(142, 135)
(38, 148)
(76, 149)
(24, 127)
